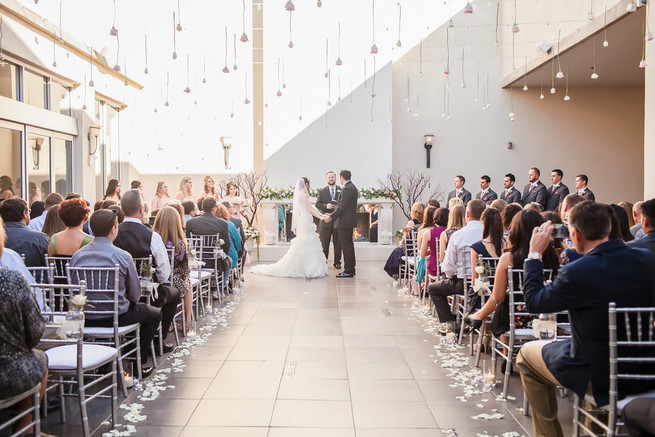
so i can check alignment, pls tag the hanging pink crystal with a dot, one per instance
(284, 85)
(54, 64)
(290, 44)
(234, 67)
(559, 75)
(463, 84)
(515, 28)
(649, 36)
(232, 115)
(289, 6)
(174, 55)
(399, 44)
(187, 90)
(246, 101)
(374, 49)
(446, 71)
(145, 70)
(319, 3)
(91, 84)
(468, 9)
(279, 93)
(225, 69)
(244, 37)
(156, 110)
(166, 104)
(117, 68)
(339, 62)
(204, 80)
(373, 95)
(113, 31)
(643, 64)
(179, 27)
(84, 107)
(300, 118)
(2, 56)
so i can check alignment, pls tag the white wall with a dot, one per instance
(350, 141)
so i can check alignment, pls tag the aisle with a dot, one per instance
(325, 357)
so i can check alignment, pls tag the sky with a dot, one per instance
(174, 136)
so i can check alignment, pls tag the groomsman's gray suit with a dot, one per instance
(588, 194)
(489, 195)
(556, 195)
(537, 194)
(514, 196)
(464, 194)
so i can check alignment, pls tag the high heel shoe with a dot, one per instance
(475, 323)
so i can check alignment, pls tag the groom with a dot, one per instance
(345, 217)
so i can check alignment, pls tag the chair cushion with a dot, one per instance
(96, 331)
(194, 282)
(201, 274)
(65, 357)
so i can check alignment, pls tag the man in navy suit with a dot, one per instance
(460, 191)
(557, 192)
(511, 194)
(581, 182)
(486, 194)
(535, 191)
(610, 271)
(326, 203)
(345, 220)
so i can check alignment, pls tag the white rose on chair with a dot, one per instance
(79, 300)
(479, 270)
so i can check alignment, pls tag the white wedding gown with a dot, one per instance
(305, 258)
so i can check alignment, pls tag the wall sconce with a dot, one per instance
(429, 138)
(36, 152)
(94, 133)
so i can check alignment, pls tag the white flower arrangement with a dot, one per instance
(79, 300)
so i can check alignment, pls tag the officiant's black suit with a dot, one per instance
(345, 220)
(327, 231)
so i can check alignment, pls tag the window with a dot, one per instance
(35, 89)
(9, 80)
(10, 143)
(37, 156)
(62, 155)
(60, 98)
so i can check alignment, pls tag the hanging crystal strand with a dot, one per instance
(225, 69)
(187, 89)
(594, 74)
(125, 71)
(605, 43)
(560, 73)
(2, 55)
(329, 102)
(246, 101)
(145, 70)
(365, 85)
(204, 68)
(179, 18)
(477, 92)
(290, 33)
(511, 104)
(400, 15)
(117, 68)
(234, 67)
(488, 100)
(541, 94)
(552, 76)
(244, 35)
(174, 38)
(373, 81)
(515, 27)
(447, 70)
(496, 42)
(326, 57)
(84, 104)
(409, 109)
(374, 48)
(463, 79)
(339, 62)
(649, 35)
(420, 58)
(525, 75)
(279, 93)
(284, 78)
(91, 84)
(114, 30)
(168, 81)
(61, 29)
(339, 82)
(300, 116)
(54, 52)
(643, 63)
(326, 114)
(566, 95)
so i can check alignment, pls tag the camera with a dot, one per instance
(560, 231)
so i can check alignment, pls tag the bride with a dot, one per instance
(305, 258)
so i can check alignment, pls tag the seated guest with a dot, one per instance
(558, 243)
(106, 204)
(535, 191)
(486, 194)
(499, 205)
(492, 243)
(648, 225)
(74, 214)
(235, 238)
(581, 182)
(141, 242)
(102, 253)
(177, 206)
(423, 235)
(22, 326)
(557, 192)
(113, 191)
(23, 240)
(510, 194)
(53, 223)
(584, 289)
(455, 201)
(454, 266)
(456, 221)
(624, 227)
(434, 202)
(567, 205)
(208, 224)
(120, 215)
(627, 207)
(161, 196)
(51, 200)
(416, 214)
(519, 240)
(534, 206)
(636, 214)
(36, 209)
(429, 245)
(459, 190)
(190, 211)
(169, 225)
(393, 262)
(233, 211)
(508, 215)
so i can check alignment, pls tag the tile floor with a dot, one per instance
(323, 357)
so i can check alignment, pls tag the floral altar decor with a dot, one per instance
(252, 234)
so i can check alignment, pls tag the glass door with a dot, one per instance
(62, 157)
(11, 140)
(38, 162)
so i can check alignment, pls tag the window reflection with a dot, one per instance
(34, 90)
(38, 164)
(9, 80)
(63, 158)
(59, 98)
(10, 142)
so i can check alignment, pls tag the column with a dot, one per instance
(385, 222)
(271, 223)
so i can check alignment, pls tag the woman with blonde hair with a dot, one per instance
(456, 221)
(209, 189)
(169, 226)
(161, 196)
(185, 190)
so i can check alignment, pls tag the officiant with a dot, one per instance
(326, 203)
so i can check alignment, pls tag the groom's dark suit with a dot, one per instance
(345, 220)
(327, 231)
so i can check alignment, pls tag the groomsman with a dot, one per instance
(326, 202)
(581, 182)
(487, 194)
(557, 192)
(535, 191)
(460, 191)
(511, 194)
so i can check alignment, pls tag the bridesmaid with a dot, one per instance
(161, 196)
(209, 189)
(185, 190)
(113, 191)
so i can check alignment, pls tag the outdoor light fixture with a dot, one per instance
(429, 138)
(36, 152)
(94, 133)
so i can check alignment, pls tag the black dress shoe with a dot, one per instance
(337, 265)
(146, 371)
(168, 347)
(345, 275)
(474, 323)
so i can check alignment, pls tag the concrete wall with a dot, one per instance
(598, 132)
(351, 141)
